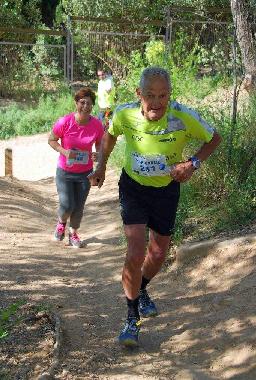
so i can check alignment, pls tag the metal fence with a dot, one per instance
(211, 44)
(107, 49)
(26, 66)
(30, 66)
(78, 51)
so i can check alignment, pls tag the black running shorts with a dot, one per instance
(154, 206)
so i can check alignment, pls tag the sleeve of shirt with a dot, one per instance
(58, 127)
(115, 125)
(197, 127)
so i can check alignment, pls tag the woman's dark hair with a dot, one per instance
(85, 92)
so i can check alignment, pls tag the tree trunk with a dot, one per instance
(242, 11)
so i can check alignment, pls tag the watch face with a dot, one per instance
(195, 162)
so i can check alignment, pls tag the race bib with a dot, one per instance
(150, 165)
(81, 158)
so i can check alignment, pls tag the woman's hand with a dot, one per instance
(70, 154)
(182, 171)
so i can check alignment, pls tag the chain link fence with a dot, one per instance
(37, 66)
(27, 68)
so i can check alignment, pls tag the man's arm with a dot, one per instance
(107, 145)
(183, 171)
(208, 148)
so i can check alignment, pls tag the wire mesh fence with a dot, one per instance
(108, 50)
(37, 65)
(26, 68)
(209, 44)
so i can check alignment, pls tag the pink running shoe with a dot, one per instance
(59, 233)
(74, 240)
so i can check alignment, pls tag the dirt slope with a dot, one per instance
(207, 324)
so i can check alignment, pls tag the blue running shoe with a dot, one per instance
(147, 308)
(130, 333)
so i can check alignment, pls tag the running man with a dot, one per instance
(106, 94)
(156, 132)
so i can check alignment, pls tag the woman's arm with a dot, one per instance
(53, 142)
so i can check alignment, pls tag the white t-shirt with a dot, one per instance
(106, 92)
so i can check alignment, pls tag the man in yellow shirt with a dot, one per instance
(156, 132)
(106, 94)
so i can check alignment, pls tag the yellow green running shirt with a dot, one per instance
(153, 146)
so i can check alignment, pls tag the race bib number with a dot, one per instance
(81, 158)
(149, 165)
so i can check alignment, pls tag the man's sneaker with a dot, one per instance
(59, 233)
(74, 240)
(130, 333)
(147, 307)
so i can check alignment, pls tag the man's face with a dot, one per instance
(101, 74)
(154, 98)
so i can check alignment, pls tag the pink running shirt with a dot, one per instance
(79, 138)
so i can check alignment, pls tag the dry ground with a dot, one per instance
(206, 328)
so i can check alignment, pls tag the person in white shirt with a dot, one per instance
(106, 94)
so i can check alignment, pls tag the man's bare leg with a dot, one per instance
(136, 247)
(156, 253)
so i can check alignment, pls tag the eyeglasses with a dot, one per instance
(85, 102)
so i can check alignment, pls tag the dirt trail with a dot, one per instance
(206, 329)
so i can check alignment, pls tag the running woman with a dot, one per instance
(77, 133)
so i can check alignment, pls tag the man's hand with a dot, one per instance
(182, 171)
(97, 177)
(95, 156)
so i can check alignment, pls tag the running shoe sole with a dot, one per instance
(128, 342)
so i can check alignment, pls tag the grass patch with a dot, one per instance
(9, 318)
(35, 118)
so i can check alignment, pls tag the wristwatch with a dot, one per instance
(195, 162)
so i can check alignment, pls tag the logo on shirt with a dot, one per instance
(137, 138)
(170, 139)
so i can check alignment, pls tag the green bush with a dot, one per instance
(182, 65)
(26, 120)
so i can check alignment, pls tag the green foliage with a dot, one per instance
(117, 156)
(133, 9)
(8, 318)
(182, 65)
(155, 53)
(217, 197)
(126, 88)
(25, 120)
(43, 60)
(20, 13)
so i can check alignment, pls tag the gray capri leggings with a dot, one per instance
(73, 189)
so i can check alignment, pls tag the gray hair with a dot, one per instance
(151, 72)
